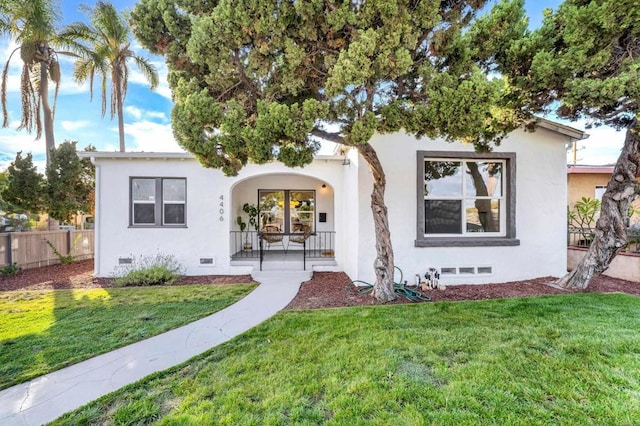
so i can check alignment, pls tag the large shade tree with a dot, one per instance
(32, 25)
(257, 80)
(584, 62)
(69, 183)
(107, 54)
(24, 186)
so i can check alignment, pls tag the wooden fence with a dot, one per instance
(31, 250)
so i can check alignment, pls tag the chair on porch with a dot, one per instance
(301, 233)
(272, 234)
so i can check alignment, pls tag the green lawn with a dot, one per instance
(43, 331)
(572, 359)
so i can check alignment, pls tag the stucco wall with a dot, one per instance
(583, 185)
(540, 211)
(625, 266)
(207, 230)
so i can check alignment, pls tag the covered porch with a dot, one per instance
(288, 224)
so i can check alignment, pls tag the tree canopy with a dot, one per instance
(33, 25)
(69, 183)
(584, 62)
(24, 186)
(107, 53)
(257, 80)
(251, 76)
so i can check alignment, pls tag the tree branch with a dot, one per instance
(329, 136)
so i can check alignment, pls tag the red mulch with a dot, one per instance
(334, 289)
(80, 275)
(325, 290)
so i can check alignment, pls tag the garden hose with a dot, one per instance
(398, 287)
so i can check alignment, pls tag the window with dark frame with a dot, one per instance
(158, 201)
(289, 210)
(466, 199)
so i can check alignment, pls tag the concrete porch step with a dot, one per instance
(300, 276)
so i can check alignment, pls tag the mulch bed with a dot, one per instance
(325, 290)
(334, 289)
(80, 275)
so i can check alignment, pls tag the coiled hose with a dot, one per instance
(398, 287)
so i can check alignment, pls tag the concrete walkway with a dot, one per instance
(48, 397)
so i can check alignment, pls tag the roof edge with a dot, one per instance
(137, 155)
(560, 128)
(168, 156)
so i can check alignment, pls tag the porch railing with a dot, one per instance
(582, 237)
(247, 245)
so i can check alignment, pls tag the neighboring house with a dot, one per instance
(477, 218)
(591, 181)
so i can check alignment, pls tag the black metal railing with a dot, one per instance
(245, 245)
(582, 237)
(251, 245)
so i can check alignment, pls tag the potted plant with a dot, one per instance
(252, 212)
(242, 224)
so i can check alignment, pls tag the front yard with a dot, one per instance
(45, 330)
(568, 359)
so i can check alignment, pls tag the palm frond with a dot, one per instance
(125, 80)
(147, 69)
(3, 90)
(104, 94)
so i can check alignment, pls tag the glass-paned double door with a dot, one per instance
(287, 211)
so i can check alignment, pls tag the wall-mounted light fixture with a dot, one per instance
(324, 186)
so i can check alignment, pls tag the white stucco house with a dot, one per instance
(476, 218)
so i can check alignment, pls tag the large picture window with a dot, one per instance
(289, 210)
(158, 201)
(466, 199)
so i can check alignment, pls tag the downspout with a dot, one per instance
(97, 215)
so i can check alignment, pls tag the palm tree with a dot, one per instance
(107, 55)
(32, 25)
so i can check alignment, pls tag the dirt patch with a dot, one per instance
(324, 290)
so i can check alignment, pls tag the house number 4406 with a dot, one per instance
(221, 211)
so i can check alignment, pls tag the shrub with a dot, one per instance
(158, 269)
(10, 270)
(65, 259)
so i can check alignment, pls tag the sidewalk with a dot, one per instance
(46, 398)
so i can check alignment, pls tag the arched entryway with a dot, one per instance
(289, 222)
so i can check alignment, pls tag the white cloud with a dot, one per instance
(156, 114)
(139, 114)
(75, 125)
(151, 137)
(134, 112)
(14, 141)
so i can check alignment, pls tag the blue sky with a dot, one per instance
(147, 114)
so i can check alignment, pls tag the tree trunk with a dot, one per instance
(483, 205)
(47, 114)
(611, 231)
(119, 108)
(383, 264)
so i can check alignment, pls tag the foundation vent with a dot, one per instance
(467, 270)
(206, 261)
(125, 261)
